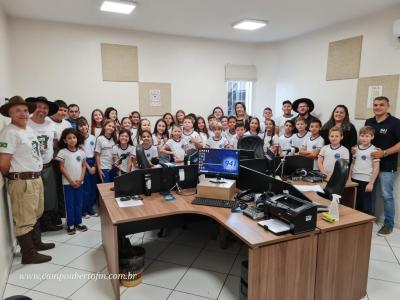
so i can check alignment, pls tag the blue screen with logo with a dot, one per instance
(219, 162)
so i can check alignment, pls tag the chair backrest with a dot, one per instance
(141, 157)
(338, 179)
(252, 142)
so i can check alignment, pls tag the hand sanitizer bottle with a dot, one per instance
(334, 207)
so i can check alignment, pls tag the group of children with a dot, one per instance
(107, 148)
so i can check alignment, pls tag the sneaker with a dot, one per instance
(94, 214)
(71, 230)
(86, 216)
(385, 231)
(81, 227)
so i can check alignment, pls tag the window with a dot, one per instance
(239, 91)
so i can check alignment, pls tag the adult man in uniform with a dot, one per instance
(387, 139)
(46, 132)
(21, 162)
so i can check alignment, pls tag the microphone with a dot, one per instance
(156, 161)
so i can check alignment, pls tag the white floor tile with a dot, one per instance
(58, 236)
(184, 296)
(231, 289)
(192, 239)
(233, 247)
(19, 274)
(163, 274)
(215, 261)
(179, 254)
(382, 270)
(171, 235)
(394, 239)
(153, 247)
(96, 227)
(396, 251)
(94, 261)
(376, 227)
(378, 240)
(146, 292)
(384, 253)
(12, 290)
(202, 283)
(37, 295)
(237, 265)
(63, 254)
(91, 221)
(382, 290)
(66, 286)
(96, 289)
(89, 238)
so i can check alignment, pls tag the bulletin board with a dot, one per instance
(370, 87)
(119, 62)
(154, 98)
(344, 58)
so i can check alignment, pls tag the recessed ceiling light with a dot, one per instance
(249, 24)
(119, 7)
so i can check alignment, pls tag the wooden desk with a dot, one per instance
(280, 267)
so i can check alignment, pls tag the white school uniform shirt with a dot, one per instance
(158, 142)
(280, 123)
(229, 136)
(177, 147)
(24, 147)
(363, 163)
(312, 144)
(134, 132)
(89, 146)
(61, 126)
(331, 155)
(124, 155)
(150, 152)
(97, 131)
(187, 138)
(298, 140)
(46, 133)
(267, 142)
(286, 144)
(104, 147)
(217, 144)
(203, 137)
(234, 142)
(72, 163)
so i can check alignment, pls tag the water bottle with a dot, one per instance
(147, 184)
(334, 207)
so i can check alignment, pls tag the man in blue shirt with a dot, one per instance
(387, 139)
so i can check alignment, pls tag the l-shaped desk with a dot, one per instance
(329, 263)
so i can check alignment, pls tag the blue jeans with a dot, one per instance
(108, 175)
(385, 180)
(89, 189)
(73, 204)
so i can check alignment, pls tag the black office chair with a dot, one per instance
(337, 181)
(252, 142)
(141, 157)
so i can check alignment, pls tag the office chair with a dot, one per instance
(337, 181)
(250, 142)
(141, 157)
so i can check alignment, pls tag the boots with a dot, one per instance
(46, 223)
(29, 253)
(37, 239)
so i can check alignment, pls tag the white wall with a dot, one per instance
(6, 239)
(302, 61)
(63, 61)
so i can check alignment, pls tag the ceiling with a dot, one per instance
(204, 18)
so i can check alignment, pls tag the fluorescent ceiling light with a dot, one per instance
(249, 24)
(119, 7)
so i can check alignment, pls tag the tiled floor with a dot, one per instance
(186, 265)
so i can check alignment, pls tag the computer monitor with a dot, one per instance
(219, 163)
(293, 163)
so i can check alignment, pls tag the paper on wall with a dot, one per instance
(155, 97)
(373, 92)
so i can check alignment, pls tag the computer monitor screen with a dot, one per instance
(219, 162)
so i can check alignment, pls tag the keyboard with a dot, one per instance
(253, 212)
(214, 202)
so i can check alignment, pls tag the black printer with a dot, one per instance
(301, 215)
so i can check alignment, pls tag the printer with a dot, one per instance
(299, 214)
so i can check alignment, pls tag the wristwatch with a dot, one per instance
(385, 153)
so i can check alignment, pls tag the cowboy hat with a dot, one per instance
(16, 100)
(53, 108)
(309, 102)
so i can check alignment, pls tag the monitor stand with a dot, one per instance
(217, 179)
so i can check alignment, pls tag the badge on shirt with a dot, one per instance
(383, 131)
(78, 158)
(337, 155)
(363, 157)
(3, 145)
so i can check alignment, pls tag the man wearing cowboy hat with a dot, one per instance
(46, 132)
(21, 162)
(303, 107)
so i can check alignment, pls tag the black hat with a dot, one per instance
(309, 102)
(16, 100)
(53, 108)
